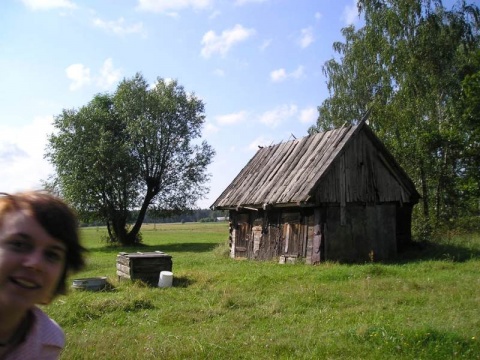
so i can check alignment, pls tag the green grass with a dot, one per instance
(423, 306)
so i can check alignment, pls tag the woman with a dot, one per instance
(39, 248)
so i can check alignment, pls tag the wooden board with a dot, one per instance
(143, 266)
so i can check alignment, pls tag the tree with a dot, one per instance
(135, 149)
(467, 108)
(405, 66)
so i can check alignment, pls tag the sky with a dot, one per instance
(256, 65)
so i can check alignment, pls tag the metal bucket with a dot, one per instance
(91, 284)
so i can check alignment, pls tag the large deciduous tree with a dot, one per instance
(412, 67)
(135, 149)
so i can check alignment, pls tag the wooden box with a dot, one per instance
(143, 266)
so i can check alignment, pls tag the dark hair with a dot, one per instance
(58, 220)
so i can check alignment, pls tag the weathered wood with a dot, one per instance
(322, 155)
(289, 169)
(272, 173)
(123, 275)
(291, 172)
(336, 174)
(257, 237)
(123, 268)
(343, 201)
(143, 266)
(317, 239)
(314, 154)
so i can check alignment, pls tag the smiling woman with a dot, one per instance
(39, 247)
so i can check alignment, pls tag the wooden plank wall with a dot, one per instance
(368, 234)
(360, 176)
(242, 235)
(271, 235)
(146, 268)
(369, 230)
(313, 254)
(404, 225)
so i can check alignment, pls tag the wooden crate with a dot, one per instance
(143, 266)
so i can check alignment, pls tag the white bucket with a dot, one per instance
(166, 279)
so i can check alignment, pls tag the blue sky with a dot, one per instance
(256, 64)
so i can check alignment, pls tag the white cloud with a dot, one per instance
(298, 72)
(108, 74)
(231, 119)
(168, 80)
(318, 15)
(21, 155)
(81, 76)
(306, 37)
(210, 129)
(280, 75)
(118, 27)
(219, 72)
(265, 44)
(164, 6)
(11, 152)
(350, 13)
(221, 44)
(48, 4)
(243, 2)
(275, 117)
(308, 115)
(214, 15)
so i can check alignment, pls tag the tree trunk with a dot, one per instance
(133, 234)
(426, 226)
(425, 194)
(117, 229)
(110, 233)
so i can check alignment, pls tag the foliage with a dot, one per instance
(132, 150)
(190, 216)
(207, 219)
(423, 305)
(413, 67)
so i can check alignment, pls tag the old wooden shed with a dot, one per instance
(337, 195)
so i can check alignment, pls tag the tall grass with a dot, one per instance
(423, 306)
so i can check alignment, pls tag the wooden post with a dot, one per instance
(317, 237)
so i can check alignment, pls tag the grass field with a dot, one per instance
(426, 305)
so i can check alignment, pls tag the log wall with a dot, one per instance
(366, 233)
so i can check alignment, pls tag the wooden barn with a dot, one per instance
(338, 195)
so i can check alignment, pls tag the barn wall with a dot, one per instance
(361, 174)
(265, 235)
(404, 225)
(241, 234)
(368, 235)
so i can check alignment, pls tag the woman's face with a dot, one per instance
(31, 262)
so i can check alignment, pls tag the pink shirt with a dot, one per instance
(44, 341)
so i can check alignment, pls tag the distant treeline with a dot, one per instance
(200, 215)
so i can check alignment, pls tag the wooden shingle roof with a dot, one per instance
(287, 173)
